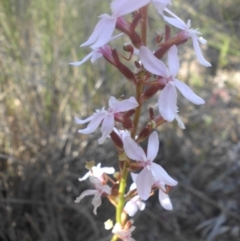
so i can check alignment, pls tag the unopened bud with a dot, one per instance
(116, 175)
(108, 224)
(128, 48)
(151, 113)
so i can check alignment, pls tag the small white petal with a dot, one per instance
(123, 7)
(165, 200)
(180, 122)
(84, 177)
(108, 170)
(153, 146)
(107, 127)
(96, 202)
(151, 63)
(141, 205)
(131, 208)
(161, 175)
(144, 183)
(177, 22)
(202, 40)
(188, 93)
(84, 194)
(133, 150)
(198, 52)
(102, 32)
(125, 105)
(96, 55)
(94, 123)
(83, 60)
(173, 61)
(167, 102)
(79, 121)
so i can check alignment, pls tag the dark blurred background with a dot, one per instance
(42, 155)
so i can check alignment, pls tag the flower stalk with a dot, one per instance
(120, 120)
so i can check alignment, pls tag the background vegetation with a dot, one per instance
(42, 156)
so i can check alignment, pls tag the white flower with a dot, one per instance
(98, 192)
(106, 117)
(104, 29)
(151, 170)
(167, 100)
(123, 234)
(188, 32)
(97, 171)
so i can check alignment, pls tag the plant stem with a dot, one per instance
(139, 87)
(121, 191)
(144, 20)
(114, 238)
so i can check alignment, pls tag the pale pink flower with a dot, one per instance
(123, 234)
(167, 101)
(189, 32)
(97, 192)
(97, 53)
(151, 171)
(104, 29)
(98, 171)
(106, 117)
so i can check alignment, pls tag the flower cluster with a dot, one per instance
(120, 121)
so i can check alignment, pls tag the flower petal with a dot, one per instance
(125, 105)
(131, 208)
(133, 150)
(151, 63)
(96, 202)
(165, 200)
(198, 52)
(107, 127)
(160, 5)
(134, 177)
(96, 182)
(96, 56)
(122, 7)
(173, 61)
(106, 189)
(161, 175)
(188, 93)
(141, 205)
(102, 32)
(108, 170)
(84, 177)
(94, 123)
(167, 102)
(153, 146)
(79, 121)
(144, 183)
(83, 60)
(84, 194)
(176, 22)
